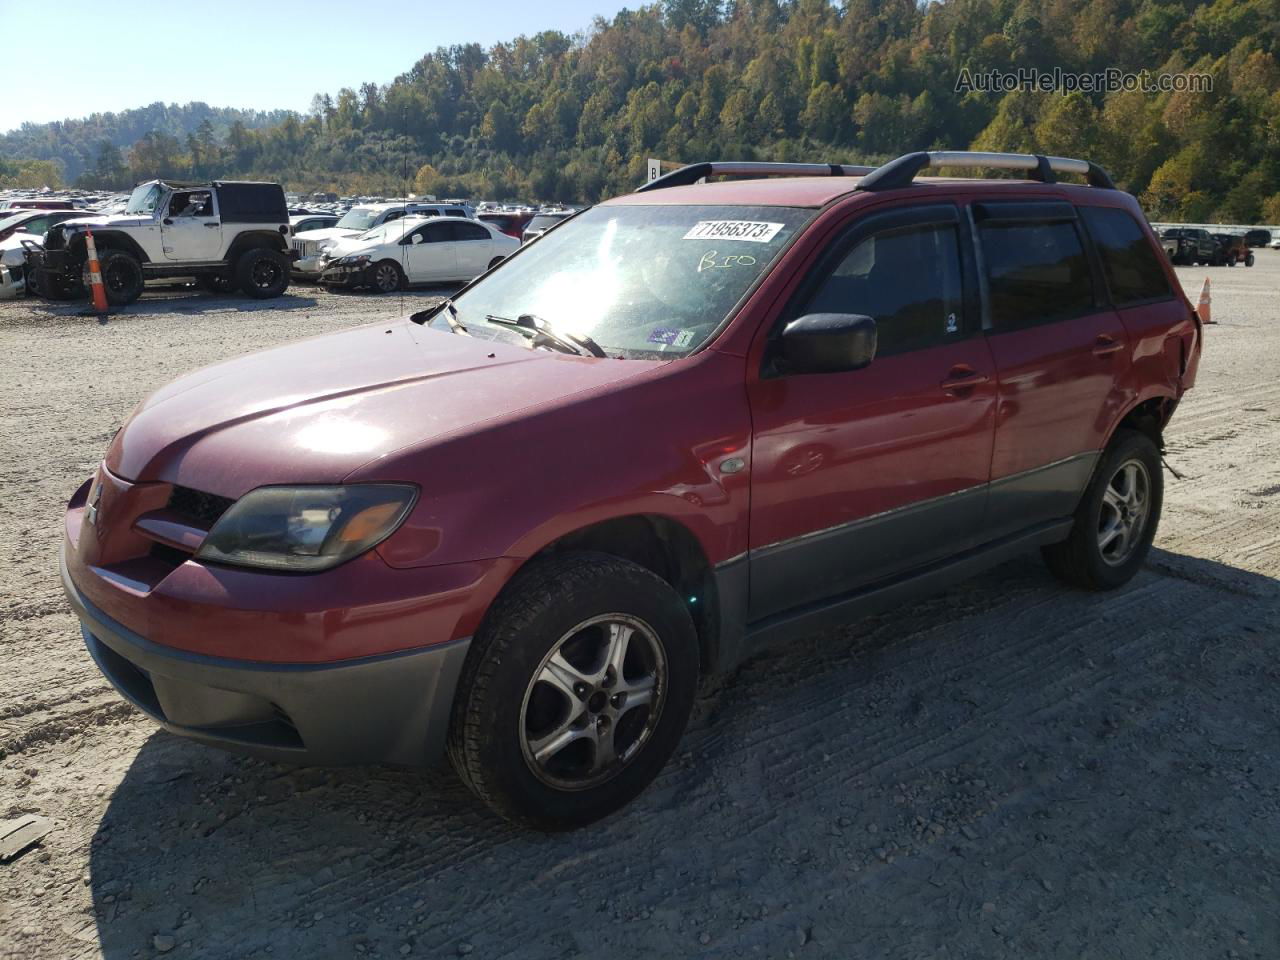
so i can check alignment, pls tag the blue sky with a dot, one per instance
(265, 54)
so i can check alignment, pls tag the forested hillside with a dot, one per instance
(572, 117)
(67, 149)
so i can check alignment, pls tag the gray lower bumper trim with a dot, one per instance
(393, 708)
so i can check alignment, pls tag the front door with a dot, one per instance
(1060, 353)
(430, 256)
(191, 229)
(860, 475)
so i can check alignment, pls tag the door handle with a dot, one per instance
(1106, 345)
(963, 378)
(213, 226)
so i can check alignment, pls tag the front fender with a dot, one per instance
(655, 445)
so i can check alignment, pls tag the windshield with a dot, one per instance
(358, 218)
(143, 199)
(649, 282)
(13, 221)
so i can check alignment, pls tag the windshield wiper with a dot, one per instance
(542, 333)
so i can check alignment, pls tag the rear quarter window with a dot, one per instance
(1134, 274)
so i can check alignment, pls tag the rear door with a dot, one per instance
(860, 475)
(474, 246)
(1061, 354)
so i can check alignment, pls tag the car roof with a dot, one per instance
(819, 191)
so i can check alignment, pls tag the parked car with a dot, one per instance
(416, 250)
(224, 233)
(310, 244)
(34, 223)
(304, 223)
(1257, 238)
(1275, 244)
(1231, 249)
(37, 203)
(1187, 246)
(692, 421)
(512, 224)
(541, 223)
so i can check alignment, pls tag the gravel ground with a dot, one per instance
(1010, 769)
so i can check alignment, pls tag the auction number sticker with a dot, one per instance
(756, 231)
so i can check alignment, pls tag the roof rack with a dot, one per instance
(901, 172)
(694, 172)
(894, 174)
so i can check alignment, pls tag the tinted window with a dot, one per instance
(436, 233)
(907, 280)
(469, 231)
(1036, 272)
(455, 212)
(1133, 272)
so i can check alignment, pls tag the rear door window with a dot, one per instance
(1036, 272)
(1134, 274)
(469, 231)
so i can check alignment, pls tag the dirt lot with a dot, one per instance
(1011, 769)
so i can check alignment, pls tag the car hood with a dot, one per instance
(111, 220)
(353, 245)
(316, 410)
(328, 233)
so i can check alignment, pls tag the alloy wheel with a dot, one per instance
(386, 279)
(265, 274)
(1126, 504)
(593, 702)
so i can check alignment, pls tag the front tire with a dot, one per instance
(385, 276)
(1117, 517)
(262, 273)
(575, 692)
(121, 277)
(1248, 260)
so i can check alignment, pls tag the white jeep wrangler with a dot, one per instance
(225, 234)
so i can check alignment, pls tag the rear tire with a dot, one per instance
(1116, 519)
(385, 276)
(541, 729)
(494, 262)
(1248, 261)
(262, 273)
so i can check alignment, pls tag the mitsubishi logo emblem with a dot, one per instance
(95, 501)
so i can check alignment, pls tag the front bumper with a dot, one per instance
(13, 282)
(343, 274)
(306, 268)
(392, 708)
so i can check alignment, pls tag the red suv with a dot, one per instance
(686, 423)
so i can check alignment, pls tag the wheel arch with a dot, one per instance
(110, 240)
(255, 240)
(667, 548)
(1147, 415)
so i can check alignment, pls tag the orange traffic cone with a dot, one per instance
(1204, 308)
(95, 275)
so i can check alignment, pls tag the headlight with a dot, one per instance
(360, 258)
(305, 529)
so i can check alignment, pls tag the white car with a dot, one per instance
(310, 244)
(416, 250)
(1275, 244)
(13, 263)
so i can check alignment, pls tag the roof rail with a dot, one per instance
(694, 172)
(901, 172)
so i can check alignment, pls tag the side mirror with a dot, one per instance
(828, 343)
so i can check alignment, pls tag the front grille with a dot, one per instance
(305, 248)
(202, 509)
